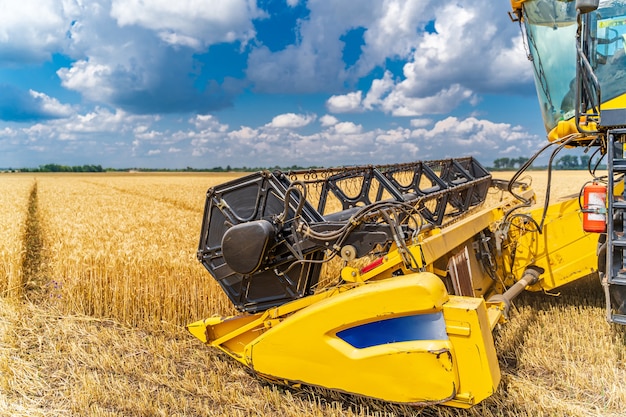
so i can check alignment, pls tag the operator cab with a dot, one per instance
(549, 27)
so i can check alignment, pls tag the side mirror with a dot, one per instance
(586, 6)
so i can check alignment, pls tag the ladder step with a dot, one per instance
(618, 318)
(621, 204)
(618, 279)
(620, 242)
(619, 164)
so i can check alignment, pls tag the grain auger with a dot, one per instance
(381, 281)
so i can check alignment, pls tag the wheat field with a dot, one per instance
(99, 276)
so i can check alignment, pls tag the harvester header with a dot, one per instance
(393, 273)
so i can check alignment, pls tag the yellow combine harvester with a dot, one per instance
(428, 266)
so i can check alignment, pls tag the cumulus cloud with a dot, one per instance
(185, 23)
(50, 106)
(316, 63)
(146, 57)
(470, 51)
(398, 103)
(291, 120)
(478, 136)
(32, 30)
(443, 42)
(208, 121)
(347, 103)
(350, 143)
(27, 106)
(244, 133)
(420, 122)
(328, 120)
(348, 128)
(144, 81)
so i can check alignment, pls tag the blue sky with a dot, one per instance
(172, 84)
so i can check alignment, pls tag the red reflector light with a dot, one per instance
(368, 268)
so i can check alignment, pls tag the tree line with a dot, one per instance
(572, 162)
(99, 168)
(64, 168)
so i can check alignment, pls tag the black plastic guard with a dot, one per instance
(259, 196)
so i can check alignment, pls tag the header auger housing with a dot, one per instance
(264, 236)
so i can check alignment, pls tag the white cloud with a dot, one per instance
(398, 103)
(392, 31)
(190, 22)
(478, 134)
(50, 105)
(144, 56)
(178, 39)
(314, 63)
(348, 128)
(205, 122)
(291, 120)
(8, 132)
(244, 132)
(420, 122)
(472, 50)
(347, 103)
(91, 78)
(100, 123)
(31, 30)
(328, 120)
(207, 142)
(380, 88)
(394, 137)
(473, 46)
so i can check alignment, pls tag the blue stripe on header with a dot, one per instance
(398, 329)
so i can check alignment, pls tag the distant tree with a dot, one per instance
(567, 162)
(521, 161)
(584, 161)
(501, 163)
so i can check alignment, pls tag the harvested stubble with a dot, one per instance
(119, 243)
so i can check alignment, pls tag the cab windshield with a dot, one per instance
(608, 25)
(550, 27)
(551, 34)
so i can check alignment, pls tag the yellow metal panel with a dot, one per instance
(402, 340)
(517, 4)
(476, 359)
(306, 348)
(563, 249)
(618, 102)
